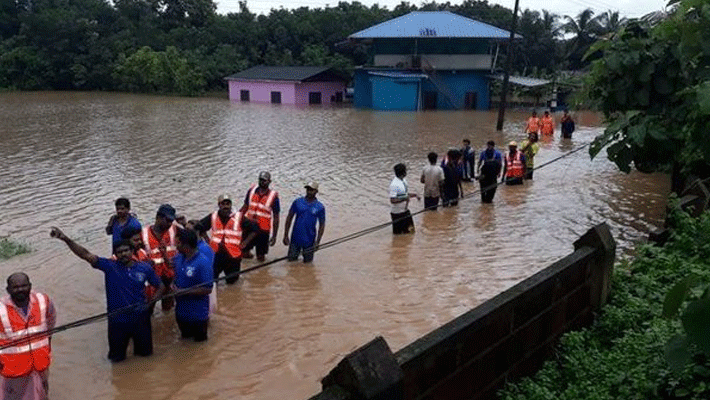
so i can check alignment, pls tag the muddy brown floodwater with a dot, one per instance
(67, 156)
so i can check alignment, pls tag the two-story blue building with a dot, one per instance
(427, 60)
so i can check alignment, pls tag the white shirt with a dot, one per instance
(433, 174)
(398, 190)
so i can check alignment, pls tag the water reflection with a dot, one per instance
(280, 329)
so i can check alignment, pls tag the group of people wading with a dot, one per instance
(442, 183)
(174, 260)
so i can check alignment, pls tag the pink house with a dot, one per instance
(287, 85)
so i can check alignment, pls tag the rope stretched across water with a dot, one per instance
(143, 306)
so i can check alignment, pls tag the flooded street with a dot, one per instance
(279, 330)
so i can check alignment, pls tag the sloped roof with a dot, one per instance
(295, 73)
(430, 24)
(523, 80)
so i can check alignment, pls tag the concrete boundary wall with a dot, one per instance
(507, 337)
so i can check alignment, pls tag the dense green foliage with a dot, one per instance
(622, 355)
(8, 248)
(186, 47)
(653, 85)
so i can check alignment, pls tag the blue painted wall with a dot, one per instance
(394, 94)
(456, 85)
(386, 93)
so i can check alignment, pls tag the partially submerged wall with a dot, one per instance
(506, 337)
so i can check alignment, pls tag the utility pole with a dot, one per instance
(506, 76)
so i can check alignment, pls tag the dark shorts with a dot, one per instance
(529, 174)
(260, 242)
(402, 223)
(223, 262)
(513, 181)
(120, 333)
(294, 250)
(431, 203)
(193, 329)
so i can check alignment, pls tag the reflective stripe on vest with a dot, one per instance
(230, 234)
(514, 167)
(30, 354)
(260, 207)
(152, 248)
(547, 126)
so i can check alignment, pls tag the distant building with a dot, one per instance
(287, 85)
(427, 60)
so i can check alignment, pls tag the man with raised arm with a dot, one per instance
(125, 280)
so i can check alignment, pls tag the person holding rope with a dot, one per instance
(514, 167)
(129, 311)
(489, 167)
(261, 212)
(399, 199)
(530, 148)
(433, 180)
(192, 287)
(159, 243)
(24, 363)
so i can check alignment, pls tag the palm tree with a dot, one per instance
(609, 22)
(585, 29)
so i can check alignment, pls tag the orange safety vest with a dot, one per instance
(260, 207)
(547, 126)
(533, 125)
(230, 234)
(161, 260)
(33, 354)
(140, 255)
(513, 167)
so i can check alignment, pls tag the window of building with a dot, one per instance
(276, 97)
(314, 98)
(338, 97)
(244, 95)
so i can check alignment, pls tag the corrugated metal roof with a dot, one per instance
(523, 81)
(262, 72)
(432, 24)
(395, 74)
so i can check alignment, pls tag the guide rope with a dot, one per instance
(137, 307)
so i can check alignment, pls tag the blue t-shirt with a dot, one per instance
(206, 250)
(189, 273)
(307, 214)
(117, 229)
(125, 286)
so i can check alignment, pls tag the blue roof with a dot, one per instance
(432, 24)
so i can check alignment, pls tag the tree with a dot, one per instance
(653, 86)
(584, 28)
(609, 22)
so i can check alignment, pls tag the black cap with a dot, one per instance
(167, 211)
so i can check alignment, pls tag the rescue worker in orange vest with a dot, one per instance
(514, 166)
(26, 353)
(159, 243)
(261, 206)
(547, 125)
(533, 124)
(225, 238)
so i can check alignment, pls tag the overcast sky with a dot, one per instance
(627, 8)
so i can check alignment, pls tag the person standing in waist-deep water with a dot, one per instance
(121, 220)
(547, 125)
(530, 147)
(24, 364)
(159, 243)
(433, 180)
(125, 280)
(490, 165)
(192, 287)
(468, 157)
(308, 212)
(514, 167)
(533, 123)
(453, 189)
(399, 199)
(261, 207)
(226, 238)
(567, 125)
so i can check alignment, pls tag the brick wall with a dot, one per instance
(507, 337)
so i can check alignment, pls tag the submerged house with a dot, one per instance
(287, 85)
(427, 60)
